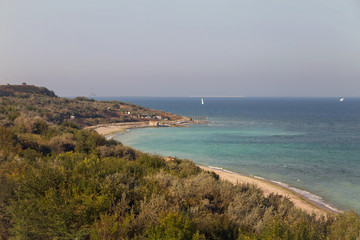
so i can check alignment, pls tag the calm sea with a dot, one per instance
(311, 144)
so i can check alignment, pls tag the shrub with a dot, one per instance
(346, 226)
(183, 168)
(13, 115)
(39, 126)
(174, 226)
(112, 226)
(116, 151)
(62, 143)
(87, 141)
(69, 124)
(8, 140)
(82, 98)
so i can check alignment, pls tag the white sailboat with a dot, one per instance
(202, 101)
(341, 99)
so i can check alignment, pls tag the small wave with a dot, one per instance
(221, 169)
(312, 197)
(261, 178)
(218, 168)
(215, 124)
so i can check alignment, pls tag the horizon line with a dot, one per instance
(214, 96)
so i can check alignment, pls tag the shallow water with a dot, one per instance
(312, 144)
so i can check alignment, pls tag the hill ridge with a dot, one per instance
(24, 89)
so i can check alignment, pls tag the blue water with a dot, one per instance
(311, 144)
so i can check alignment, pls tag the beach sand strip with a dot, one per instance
(269, 187)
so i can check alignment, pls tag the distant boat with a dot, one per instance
(202, 101)
(341, 99)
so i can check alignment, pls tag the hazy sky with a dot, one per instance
(183, 48)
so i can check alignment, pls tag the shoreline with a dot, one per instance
(297, 196)
(268, 186)
(112, 128)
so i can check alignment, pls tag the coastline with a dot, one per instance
(109, 129)
(300, 200)
(268, 187)
(112, 128)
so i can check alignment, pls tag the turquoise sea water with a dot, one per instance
(312, 144)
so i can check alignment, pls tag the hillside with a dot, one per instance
(59, 181)
(23, 90)
(29, 102)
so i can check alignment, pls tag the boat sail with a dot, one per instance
(202, 101)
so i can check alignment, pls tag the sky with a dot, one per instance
(183, 48)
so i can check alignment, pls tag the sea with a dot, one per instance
(311, 145)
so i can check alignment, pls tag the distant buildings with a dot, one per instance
(158, 117)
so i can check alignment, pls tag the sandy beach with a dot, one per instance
(269, 187)
(108, 129)
(111, 128)
(266, 186)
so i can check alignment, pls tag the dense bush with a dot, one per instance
(174, 226)
(62, 143)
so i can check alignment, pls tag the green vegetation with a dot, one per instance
(29, 102)
(58, 181)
